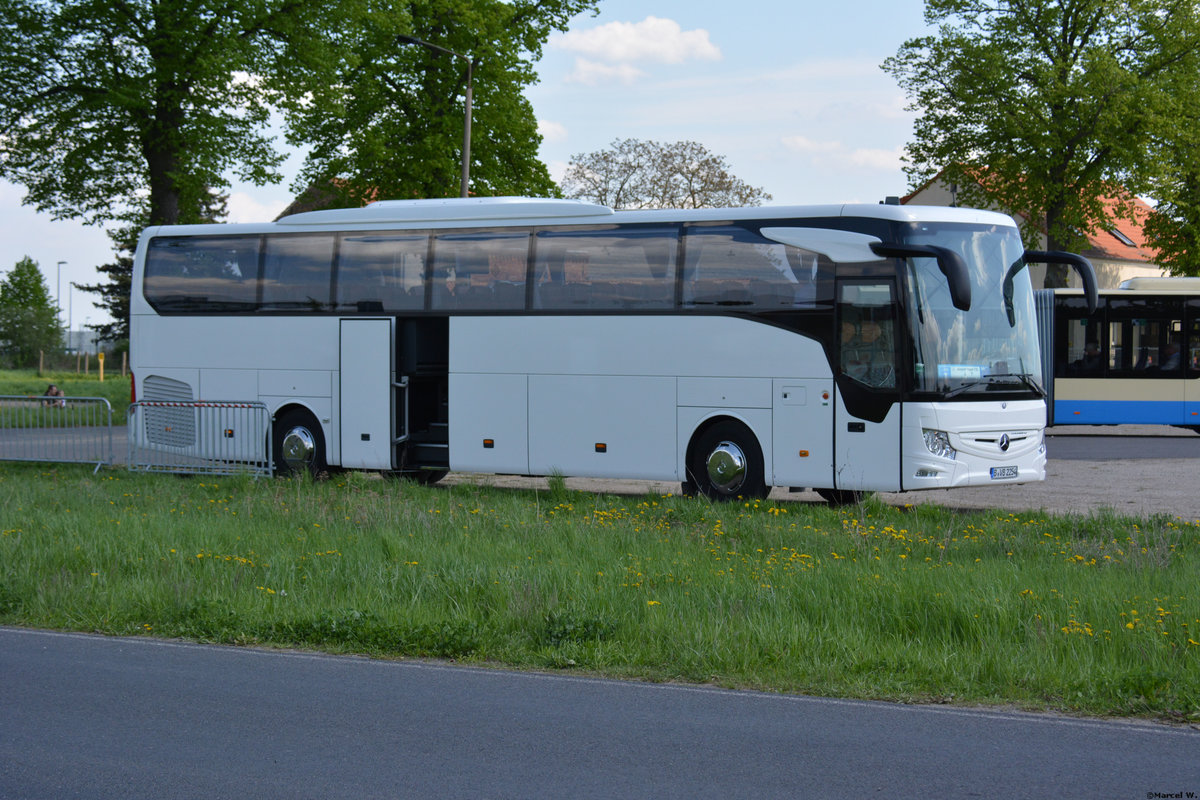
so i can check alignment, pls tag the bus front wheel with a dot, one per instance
(299, 444)
(726, 462)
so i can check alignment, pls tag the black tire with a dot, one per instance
(841, 497)
(299, 444)
(725, 462)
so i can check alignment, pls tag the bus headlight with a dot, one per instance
(938, 443)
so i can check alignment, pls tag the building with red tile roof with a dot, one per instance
(1118, 253)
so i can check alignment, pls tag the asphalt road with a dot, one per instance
(93, 717)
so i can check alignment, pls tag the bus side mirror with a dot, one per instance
(949, 262)
(1077, 262)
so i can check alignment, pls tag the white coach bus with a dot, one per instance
(839, 348)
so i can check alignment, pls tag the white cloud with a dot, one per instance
(553, 132)
(244, 208)
(871, 158)
(837, 153)
(803, 144)
(653, 39)
(593, 73)
(558, 169)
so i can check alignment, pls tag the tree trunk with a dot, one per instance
(162, 161)
(1057, 275)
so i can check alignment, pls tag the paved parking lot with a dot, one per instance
(1134, 470)
(1116, 477)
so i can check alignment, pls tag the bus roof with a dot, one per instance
(1189, 285)
(488, 211)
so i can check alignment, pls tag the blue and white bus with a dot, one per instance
(1135, 359)
(842, 348)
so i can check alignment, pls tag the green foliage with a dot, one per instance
(133, 110)
(1045, 107)
(1174, 230)
(1096, 614)
(390, 124)
(633, 173)
(28, 317)
(114, 290)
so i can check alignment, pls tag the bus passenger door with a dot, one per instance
(866, 418)
(365, 417)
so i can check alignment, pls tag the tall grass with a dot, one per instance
(114, 387)
(1094, 614)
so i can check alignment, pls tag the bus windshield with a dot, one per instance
(994, 346)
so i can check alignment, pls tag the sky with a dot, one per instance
(790, 93)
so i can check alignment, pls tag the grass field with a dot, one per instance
(114, 388)
(1097, 615)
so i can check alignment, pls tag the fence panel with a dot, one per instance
(200, 437)
(58, 429)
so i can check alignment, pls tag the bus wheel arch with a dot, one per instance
(298, 442)
(724, 461)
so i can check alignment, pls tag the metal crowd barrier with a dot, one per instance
(200, 437)
(58, 429)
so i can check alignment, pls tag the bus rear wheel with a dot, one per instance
(299, 444)
(726, 463)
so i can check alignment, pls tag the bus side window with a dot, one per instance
(631, 267)
(1192, 343)
(481, 270)
(1147, 336)
(1115, 358)
(195, 274)
(867, 341)
(728, 265)
(297, 271)
(381, 272)
(1084, 357)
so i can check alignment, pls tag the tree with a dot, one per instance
(633, 173)
(132, 110)
(1044, 107)
(114, 292)
(1174, 229)
(390, 124)
(28, 317)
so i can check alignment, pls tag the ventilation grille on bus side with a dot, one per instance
(169, 427)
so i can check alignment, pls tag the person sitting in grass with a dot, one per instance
(57, 398)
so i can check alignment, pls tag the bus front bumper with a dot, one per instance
(947, 445)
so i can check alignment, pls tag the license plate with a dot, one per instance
(1003, 472)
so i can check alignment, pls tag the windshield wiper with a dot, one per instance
(956, 391)
(1024, 378)
(998, 380)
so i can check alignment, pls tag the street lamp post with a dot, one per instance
(466, 149)
(58, 293)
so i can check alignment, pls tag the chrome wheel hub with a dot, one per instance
(298, 448)
(727, 467)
